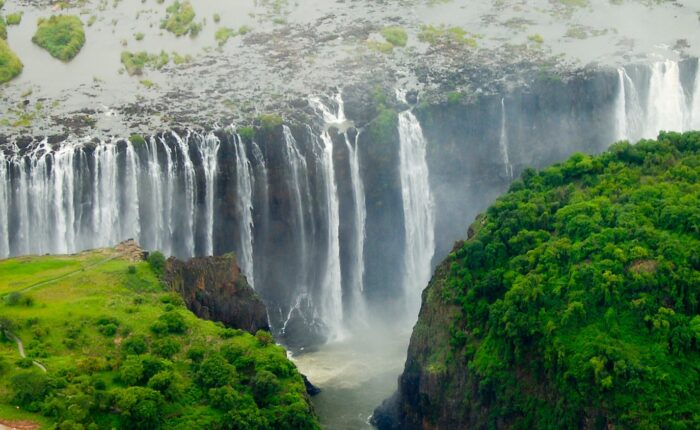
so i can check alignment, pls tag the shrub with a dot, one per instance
(270, 121)
(264, 337)
(215, 372)
(179, 19)
(157, 262)
(166, 348)
(30, 387)
(196, 353)
(140, 407)
(169, 322)
(24, 363)
(131, 371)
(135, 345)
(62, 35)
(108, 330)
(395, 35)
(265, 385)
(14, 18)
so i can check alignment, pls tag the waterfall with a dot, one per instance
(503, 141)
(621, 107)
(130, 219)
(209, 149)
(4, 202)
(695, 110)
(331, 284)
(244, 206)
(296, 164)
(360, 218)
(418, 208)
(666, 105)
(187, 223)
(106, 215)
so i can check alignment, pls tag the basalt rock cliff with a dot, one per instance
(215, 289)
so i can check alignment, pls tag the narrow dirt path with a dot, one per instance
(67, 275)
(20, 347)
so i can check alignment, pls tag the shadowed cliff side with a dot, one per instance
(215, 289)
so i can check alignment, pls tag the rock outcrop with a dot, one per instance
(215, 289)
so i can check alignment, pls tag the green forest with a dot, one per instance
(108, 346)
(579, 292)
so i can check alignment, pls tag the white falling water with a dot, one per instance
(418, 208)
(4, 204)
(695, 112)
(621, 132)
(360, 217)
(130, 217)
(189, 193)
(666, 105)
(297, 166)
(331, 285)
(209, 149)
(244, 184)
(503, 141)
(105, 217)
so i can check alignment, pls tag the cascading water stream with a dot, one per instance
(244, 203)
(331, 284)
(621, 108)
(666, 105)
(417, 208)
(188, 221)
(503, 141)
(209, 149)
(4, 179)
(695, 110)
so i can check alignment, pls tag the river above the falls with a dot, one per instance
(354, 374)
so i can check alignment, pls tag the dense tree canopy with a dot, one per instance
(579, 292)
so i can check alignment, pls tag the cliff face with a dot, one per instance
(432, 391)
(573, 303)
(215, 289)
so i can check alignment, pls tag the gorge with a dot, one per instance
(338, 149)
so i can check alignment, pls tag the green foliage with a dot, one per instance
(381, 47)
(136, 62)
(156, 260)
(263, 337)
(454, 36)
(215, 371)
(10, 65)
(14, 18)
(270, 121)
(92, 331)
(223, 34)
(246, 133)
(395, 35)
(179, 19)
(579, 292)
(141, 408)
(62, 35)
(170, 322)
(30, 387)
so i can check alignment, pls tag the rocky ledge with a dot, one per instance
(215, 289)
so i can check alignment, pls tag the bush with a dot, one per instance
(166, 348)
(14, 18)
(62, 35)
(196, 354)
(169, 322)
(264, 337)
(135, 345)
(30, 387)
(265, 385)
(395, 35)
(140, 408)
(215, 372)
(179, 19)
(157, 262)
(131, 371)
(24, 363)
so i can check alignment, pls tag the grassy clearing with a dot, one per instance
(62, 35)
(113, 339)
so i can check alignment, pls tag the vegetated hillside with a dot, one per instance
(573, 304)
(119, 351)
